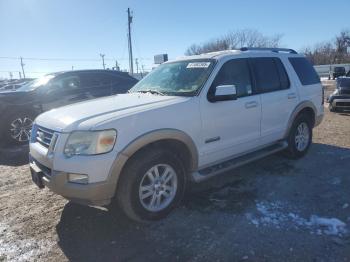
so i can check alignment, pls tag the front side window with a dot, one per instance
(235, 72)
(67, 82)
(63, 83)
(269, 76)
(183, 78)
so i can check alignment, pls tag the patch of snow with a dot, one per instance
(12, 248)
(273, 214)
(331, 226)
(346, 205)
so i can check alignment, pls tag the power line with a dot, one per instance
(68, 59)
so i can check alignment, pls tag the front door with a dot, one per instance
(230, 127)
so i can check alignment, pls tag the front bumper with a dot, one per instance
(340, 101)
(98, 194)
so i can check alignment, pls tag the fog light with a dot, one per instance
(78, 178)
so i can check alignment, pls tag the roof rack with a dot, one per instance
(276, 50)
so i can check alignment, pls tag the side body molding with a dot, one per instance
(297, 110)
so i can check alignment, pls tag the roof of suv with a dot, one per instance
(94, 71)
(243, 50)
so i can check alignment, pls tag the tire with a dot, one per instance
(297, 150)
(138, 172)
(332, 108)
(16, 130)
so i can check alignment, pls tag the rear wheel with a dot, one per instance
(151, 185)
(300, 137)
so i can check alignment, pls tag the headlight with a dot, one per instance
(90, 142)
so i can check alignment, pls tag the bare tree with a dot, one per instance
(234, 40)
(331, 52)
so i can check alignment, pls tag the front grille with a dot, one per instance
(343, 104)
(43, 136)
(344, 92)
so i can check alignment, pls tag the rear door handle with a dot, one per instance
(292, 96)
(251, 104)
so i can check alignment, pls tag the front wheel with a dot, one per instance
(300, 137)
(151, 185)
(332, 108)
(17, 128)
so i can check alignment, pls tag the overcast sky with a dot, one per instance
(78, 30)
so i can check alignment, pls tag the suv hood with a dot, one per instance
(73, 117)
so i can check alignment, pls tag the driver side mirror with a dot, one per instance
(223, 93)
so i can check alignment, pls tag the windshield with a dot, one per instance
(183, 78)
(36, 83)
(344, 83)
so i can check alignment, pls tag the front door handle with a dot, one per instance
(251, 104)
(292, 96)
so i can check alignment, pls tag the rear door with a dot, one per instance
(278, 97)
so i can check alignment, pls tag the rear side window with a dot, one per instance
(305, 71)
(270, 74)
(235, 72)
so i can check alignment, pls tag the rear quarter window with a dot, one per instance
(305, 71)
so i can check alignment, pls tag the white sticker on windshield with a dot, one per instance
(198, 65)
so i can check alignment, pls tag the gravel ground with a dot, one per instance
(273, 210)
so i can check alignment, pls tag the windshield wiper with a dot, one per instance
(151, 91)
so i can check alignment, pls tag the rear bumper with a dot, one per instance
(99, 194)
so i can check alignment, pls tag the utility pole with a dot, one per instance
(117, 66)
(131, 66)
(137, 65)
(143, 70)
(72, 68)
(103, 61)
(22, 65)
(20, 75)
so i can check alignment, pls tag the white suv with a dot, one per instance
(188, 120)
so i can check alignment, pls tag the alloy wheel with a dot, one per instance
(20, 129)
(302, 136)
(158, 187)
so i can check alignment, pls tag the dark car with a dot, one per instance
(338, 71)
(20, 107)
(340, 98)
